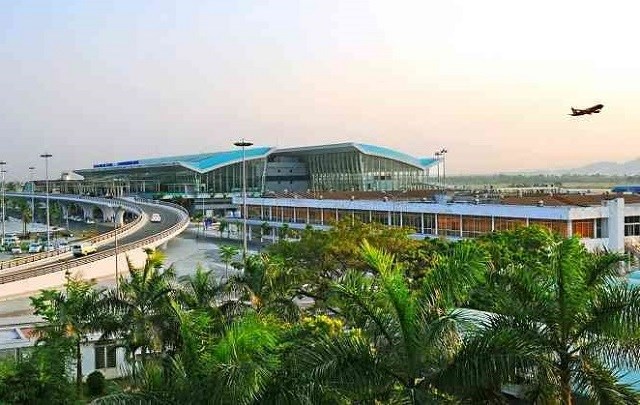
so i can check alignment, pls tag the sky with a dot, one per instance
(492, 81)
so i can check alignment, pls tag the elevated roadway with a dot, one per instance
(132, 240)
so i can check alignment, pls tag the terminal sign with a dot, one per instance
(124, 163)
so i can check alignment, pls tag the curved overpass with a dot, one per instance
(131, 239)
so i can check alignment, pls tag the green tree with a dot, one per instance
(402, 338)
(143, 309)
(564, 324)
(270, 286)
(70, 316)
(228, 254)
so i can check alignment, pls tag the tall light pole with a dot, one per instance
(46, 157)
(243, 144)
(437, 154)
(33, 190)
(2, 164)
(443, 153)
(115, 235)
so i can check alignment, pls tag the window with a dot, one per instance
(632, 226)
(449, 225)
(475, 226)
(429, 224)
(105, 356)
(556, 226)
(508, 224)
(583, 228)
(412, 221)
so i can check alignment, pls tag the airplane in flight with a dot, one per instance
(591, 110)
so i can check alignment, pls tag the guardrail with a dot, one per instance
(7, 264)
(183, 222)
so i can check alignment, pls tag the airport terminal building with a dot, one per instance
(342, 167)
(319, 185)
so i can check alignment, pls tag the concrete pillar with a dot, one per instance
(108, 213)
(87, 211)
(119, 216)
(616, 225)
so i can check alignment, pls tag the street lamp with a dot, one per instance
(115, 236)
(2, 164)
(46, 157)
(443, 153)
(243, 144)
(33, 188)
(437, 154)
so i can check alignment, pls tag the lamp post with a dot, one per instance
(2, 164)
(243, 144)
(33, 190)
(115, 235)
(46, 157)
(437, 154)
(443, 153)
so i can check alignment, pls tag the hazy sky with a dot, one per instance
(493, 81)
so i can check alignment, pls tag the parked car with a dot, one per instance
(16, 250)
(155, 217)
(12, 240)
(35, 248)
(90, 221)
(83, 249)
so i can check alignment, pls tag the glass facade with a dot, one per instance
(449, 225)
(352, 170)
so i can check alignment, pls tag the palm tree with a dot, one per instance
(400, 338)
(227, 254)
(269, 285)
(563, 327)
(143, 307)
(70, 315)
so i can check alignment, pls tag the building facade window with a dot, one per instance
(381, 217)
(583, 228)
(556, 226)
(632, 226)
(105, 356)
(449, 225)
(315, 216)
(412, 221)
(508, 224)
(345, 215)
(475, 226)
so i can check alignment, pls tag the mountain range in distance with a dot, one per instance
(629, 168)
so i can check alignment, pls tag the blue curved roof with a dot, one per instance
(394, 154)
(202, 163)
(206, 162)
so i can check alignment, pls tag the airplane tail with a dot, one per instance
(573, 110)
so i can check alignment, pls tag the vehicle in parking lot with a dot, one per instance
(35, 248)
(16, 250)
(83, 249)
(155, 217)
(12, 240)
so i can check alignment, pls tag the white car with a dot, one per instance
(35, 248)
(16, 250)
(155, 217)
(83, 249)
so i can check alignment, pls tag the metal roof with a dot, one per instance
(206, 162)
(201, 163)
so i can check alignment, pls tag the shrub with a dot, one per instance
(95, 383)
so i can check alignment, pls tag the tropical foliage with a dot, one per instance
(361, 314)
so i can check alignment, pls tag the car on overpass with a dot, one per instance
(83, 249)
